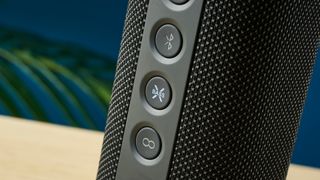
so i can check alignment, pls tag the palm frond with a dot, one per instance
(53, 82)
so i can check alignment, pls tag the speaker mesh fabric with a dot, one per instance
(122, 88)
(246, 89)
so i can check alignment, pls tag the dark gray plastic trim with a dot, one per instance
(175, 70)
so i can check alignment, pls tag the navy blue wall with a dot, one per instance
(307, 150)
(97, 25)
(94, 24)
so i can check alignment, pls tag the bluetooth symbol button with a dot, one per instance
(158, 93)
(168, 41)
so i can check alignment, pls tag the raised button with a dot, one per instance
(168, 41)
(148, 143)
(158, 93)
(179, 1)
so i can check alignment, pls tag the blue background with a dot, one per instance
(94, 24)
(97, 25)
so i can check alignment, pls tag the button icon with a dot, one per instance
(148, 143)
(158, 93)
(168, 41)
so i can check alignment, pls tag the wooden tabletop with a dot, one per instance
(37, 151)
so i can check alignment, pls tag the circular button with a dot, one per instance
(148, 143)
(168, 41)
(158, 93)
(179, 1)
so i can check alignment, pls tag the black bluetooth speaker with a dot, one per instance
(209, 89)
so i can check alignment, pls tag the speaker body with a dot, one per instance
(238, 85)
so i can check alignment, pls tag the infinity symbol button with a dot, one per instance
(148, 143)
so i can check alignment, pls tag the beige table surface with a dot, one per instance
(32, 151)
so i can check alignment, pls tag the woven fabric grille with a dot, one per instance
(246, 89)
(122, 88)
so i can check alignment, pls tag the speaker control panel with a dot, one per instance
(161, 77)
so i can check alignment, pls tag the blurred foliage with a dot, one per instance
(54, 82)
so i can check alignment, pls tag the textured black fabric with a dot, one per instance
(245, 92)
(246, 89)
(122, 88)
